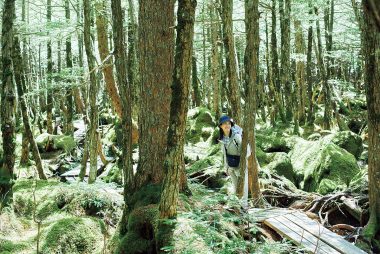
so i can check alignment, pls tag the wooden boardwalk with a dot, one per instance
(297, 227)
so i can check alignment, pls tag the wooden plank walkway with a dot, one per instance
(297, 227)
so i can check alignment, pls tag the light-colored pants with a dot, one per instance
(235, 174)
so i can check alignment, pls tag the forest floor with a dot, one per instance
(74, 217)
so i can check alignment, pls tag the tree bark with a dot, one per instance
(69, 91)
(285, 55)
(49, 73)
(371, 45)
(196, 90)
(156, 50)
(8, 103)
(93, 91)
(20, 82)
(231, 64)
(174, 161)
(310, 113)
(215, 73)
(275, 71)
(101, 25)
(251, 71)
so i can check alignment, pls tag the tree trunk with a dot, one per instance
(93, 91)
(215, 73)
(20, 82)
(156, 50)
(197, 93)
(49, 97)
(251, 71)
(326, 89)
(285, 55)
(231, 64)
(101, 25)
(275, 71)
(174, 160)
(310, 113)
(126, 99)
(272, 92)
(371, 45)
(8, 103)
(132, 67)
(69, 91)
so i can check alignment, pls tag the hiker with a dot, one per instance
(230, 137)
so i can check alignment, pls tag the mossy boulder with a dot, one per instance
(281, 165)
(47, 142)
(71, 235)
(349, 141)
(200, 125)
(271, 141)
(7, 246)
(314, 161)
(46, 208)
(114, 175)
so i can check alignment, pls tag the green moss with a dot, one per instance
(149, 194)
(46, 208)
(349, 141)
(7, 246)
(200, 125)
(271, 142)
(114, 175)
(261, 156)
(282, 166)
(317, 160)
(326, 186)
(205, 163)
(27, 184)
(70, 235)
(23, 204)
(66, 143)
(132, 243)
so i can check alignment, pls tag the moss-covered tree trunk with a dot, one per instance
(251, 72)
(194, 78)
(126, 98)
(215, 70)
(322, 70)
(371, 46)
(284, 8)
(275, 70)
(272, 92)
(49, 73)
(8, 100)
(69, 65)
(132, 59)
(310, 104)
(174, 160)
(231, 63)
(102, 33)
(93, 91)
(20, 82)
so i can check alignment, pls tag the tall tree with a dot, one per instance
(310, 106)
(93, 91)
(215, 73)
(174, 159)
(8, 103)
(231, 63)
(371, 46)
(20, 82)
(49, 97)
(156, 50)
(284, 8)
(102, 27)
(126, 97)
(275, 71)
(251, 74)
(69, 65)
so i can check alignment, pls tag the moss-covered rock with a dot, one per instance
(200, 125)
(46, 142)
(23, 204)
(349, 141)
(314, 161)
(114, 175)
(71, 235)
(281, 165)
(271, 141)
(46, 208)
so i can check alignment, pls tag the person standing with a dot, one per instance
(230, 138)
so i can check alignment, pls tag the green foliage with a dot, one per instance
(200, 125)
(67, 143)
(7, 246)
(114, 175)
(349, 141)
(23, 204)
(148, 194)
(281, 165)
(45, 209)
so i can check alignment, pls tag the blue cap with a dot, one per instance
(224, 119)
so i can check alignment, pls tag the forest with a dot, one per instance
(118, 117)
